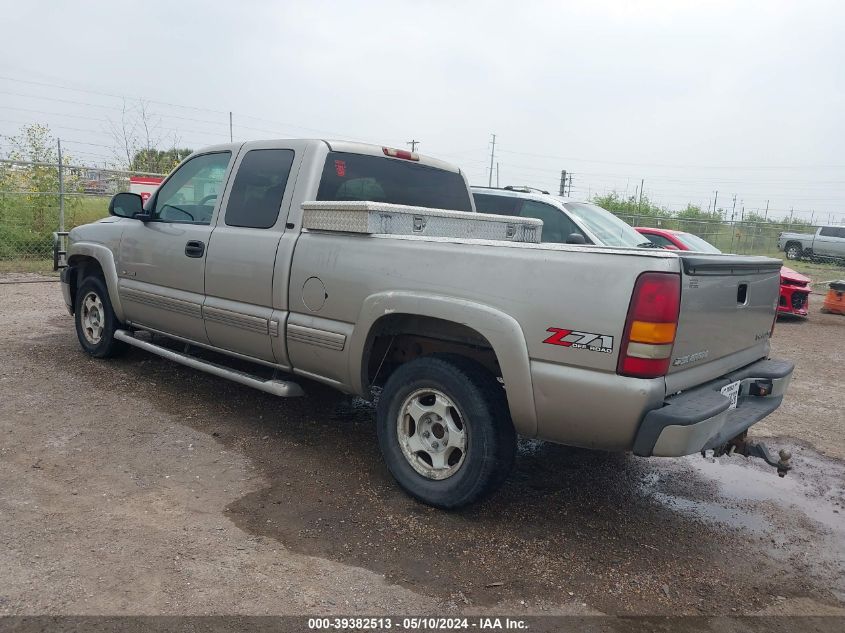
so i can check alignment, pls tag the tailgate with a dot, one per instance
(728, 303)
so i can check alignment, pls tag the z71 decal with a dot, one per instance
(580, 340)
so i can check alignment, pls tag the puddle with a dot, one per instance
(799, 517)
(715, 513)
(815, 487)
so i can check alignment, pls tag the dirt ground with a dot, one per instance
(136, 486)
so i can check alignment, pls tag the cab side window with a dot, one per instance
(191, 192)
(832, 231)
(497, 205)
(557, 226)
(258, 189)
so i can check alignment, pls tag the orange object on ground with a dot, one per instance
(834, 301)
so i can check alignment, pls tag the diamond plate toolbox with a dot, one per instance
(396, 219)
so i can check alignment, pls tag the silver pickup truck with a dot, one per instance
(330, 261)
(825, 242)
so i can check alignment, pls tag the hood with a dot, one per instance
(787, 274)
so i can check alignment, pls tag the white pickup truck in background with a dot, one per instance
(827, 242)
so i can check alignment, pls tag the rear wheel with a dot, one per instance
(444, 430)
(96, 322)
(793, 251)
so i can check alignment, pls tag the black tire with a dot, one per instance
(104, 346)
(482, 405)
(793, 251)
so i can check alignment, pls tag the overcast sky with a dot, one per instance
(694, 97)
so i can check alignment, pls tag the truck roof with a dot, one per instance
(352, 147)
(527, 195)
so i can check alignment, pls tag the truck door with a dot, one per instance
(161, 262)
(239, 307)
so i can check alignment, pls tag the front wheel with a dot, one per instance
(444, 430)
(95, 319)
(793, 251)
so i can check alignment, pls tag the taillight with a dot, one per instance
(651, 325)
(400, 153)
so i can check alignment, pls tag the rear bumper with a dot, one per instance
(701, 418)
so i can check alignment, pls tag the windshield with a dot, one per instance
(380, 179)
(610, 230)
(695, 243)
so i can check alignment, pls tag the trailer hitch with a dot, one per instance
(741, 445)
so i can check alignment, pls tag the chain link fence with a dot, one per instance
(38, 199)
(739, 237)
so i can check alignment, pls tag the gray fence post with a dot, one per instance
(61, 189)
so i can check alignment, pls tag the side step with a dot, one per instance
(283, 388)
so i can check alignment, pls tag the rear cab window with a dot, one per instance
(348, 176)
(259, 187)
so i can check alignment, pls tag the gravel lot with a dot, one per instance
(136, 486)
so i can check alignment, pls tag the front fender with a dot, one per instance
(500, 329)
(105, 258)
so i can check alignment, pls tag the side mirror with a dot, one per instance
(126, 205)
(575, 238)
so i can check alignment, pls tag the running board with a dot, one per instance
(281, 388)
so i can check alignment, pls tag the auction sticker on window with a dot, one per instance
(732, 392)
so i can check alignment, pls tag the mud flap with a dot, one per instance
(741, 445)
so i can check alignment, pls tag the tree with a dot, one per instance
(138, 139)
(31, 183)
(694, 212)
(630, 206)
(158, 161)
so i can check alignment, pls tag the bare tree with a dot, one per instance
(137, 133)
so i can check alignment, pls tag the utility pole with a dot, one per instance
(563, 182)
(640, 203)
(569, 188)
(733, 209)
(61, 189)
(413, 144)
(497, 174)
(715, 201)
(766, 217)
(231, 137)
(492, 156)
(791, 213)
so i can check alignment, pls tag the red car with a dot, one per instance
(794, 287)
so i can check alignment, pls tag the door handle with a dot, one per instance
(194, 248)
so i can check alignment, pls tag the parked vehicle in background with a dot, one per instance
(677, 240)
(794, 287)
(828, 242)
(358, 266)
(565, 221)
(794, 293)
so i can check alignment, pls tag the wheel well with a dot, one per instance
(793, 243)
(396, 339)
(84, 266)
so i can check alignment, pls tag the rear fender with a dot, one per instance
(501, 330)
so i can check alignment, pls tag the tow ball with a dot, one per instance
(741, 445)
